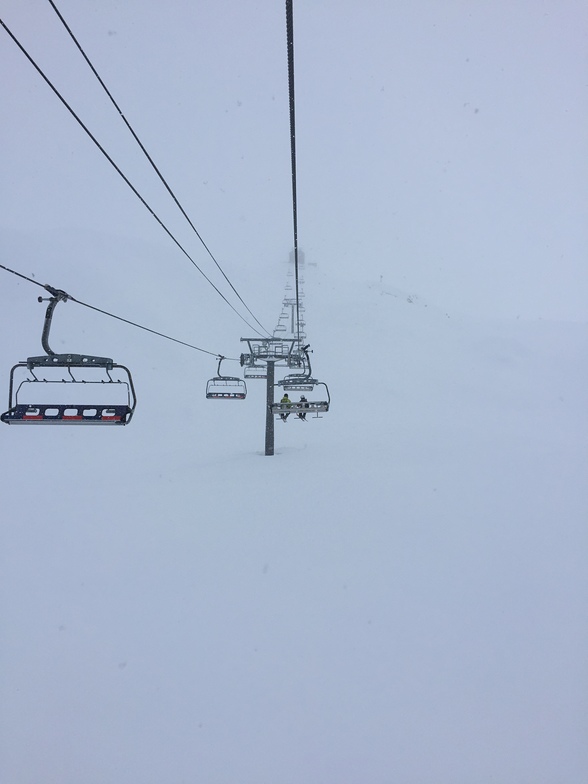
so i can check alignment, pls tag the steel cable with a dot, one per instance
(122, 175)
(290, 46)
(50, 289)
(150, 159)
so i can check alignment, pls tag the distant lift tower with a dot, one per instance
(300, 258)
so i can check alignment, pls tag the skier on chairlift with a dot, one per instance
(302, 414)
(285, 401)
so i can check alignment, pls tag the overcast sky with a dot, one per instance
(441, 145)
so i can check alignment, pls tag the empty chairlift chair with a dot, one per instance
(68, 389)
(225, 387)
(303, 382)
(255, 372)
(73, 389)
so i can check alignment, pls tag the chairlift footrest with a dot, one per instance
(296, 408)
(225, 396)
(29, 414)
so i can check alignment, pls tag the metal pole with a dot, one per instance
(269, 415)
(47, 324)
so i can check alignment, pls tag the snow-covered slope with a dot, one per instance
(397, 595)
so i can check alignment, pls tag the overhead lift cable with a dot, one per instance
(112, 315)
(150, 159)
(290, 45)
(119, 171)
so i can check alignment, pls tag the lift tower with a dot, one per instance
(266, 354)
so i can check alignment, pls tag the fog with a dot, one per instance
(399, 593)
(441, 143)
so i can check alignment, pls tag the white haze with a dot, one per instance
(399, 593)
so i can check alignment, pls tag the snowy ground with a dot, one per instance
(398, 594)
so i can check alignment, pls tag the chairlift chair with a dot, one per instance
(68, 389)
(302, 382)
(225, 387)
(298, 382)
(103, 396)
(255, 372)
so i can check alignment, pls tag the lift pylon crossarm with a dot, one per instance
(278, 350)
